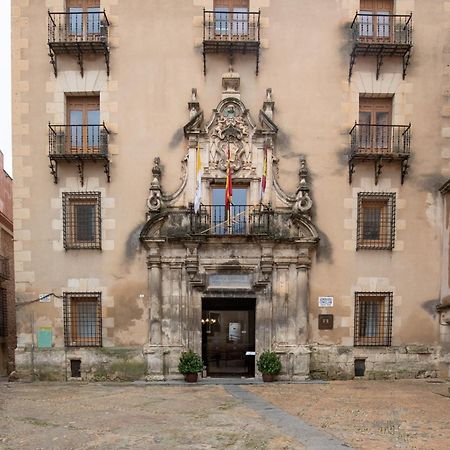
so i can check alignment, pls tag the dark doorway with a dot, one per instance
(228, 337)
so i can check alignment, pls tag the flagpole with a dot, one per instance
(228, 191)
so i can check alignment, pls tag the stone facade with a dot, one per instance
(153, 266)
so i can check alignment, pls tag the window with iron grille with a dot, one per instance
(82, 220)
(376, 221)
(373, 318)
(3, 328)
(82, 319)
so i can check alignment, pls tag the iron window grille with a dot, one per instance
(82, 319)
(373, 318)
(376, 221)
(82, 220)
(3, 314)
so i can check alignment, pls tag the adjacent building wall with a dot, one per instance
(8, 339)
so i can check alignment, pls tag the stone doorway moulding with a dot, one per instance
(269, 261)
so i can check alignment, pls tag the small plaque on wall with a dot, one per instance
(325, 321)
(326, 302)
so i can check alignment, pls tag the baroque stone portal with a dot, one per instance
(229, 283)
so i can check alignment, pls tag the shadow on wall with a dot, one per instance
(132, 245)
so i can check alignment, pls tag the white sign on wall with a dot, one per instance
(326, 302)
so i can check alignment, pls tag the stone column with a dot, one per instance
(194, 307)
(303, 265)
(263, 285)
(154, 349)
(154, 281)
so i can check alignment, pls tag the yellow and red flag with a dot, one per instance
(198, 179)
(228, 186)
(264, 172)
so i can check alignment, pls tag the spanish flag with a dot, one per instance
(198, 179)
(228, 187)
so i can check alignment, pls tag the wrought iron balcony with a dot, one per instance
(381, 35)
(4, 268)
(78, 33)
(78, 143)
(380, 143)
(231, 32)
(243, 220)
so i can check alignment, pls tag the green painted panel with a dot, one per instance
(45, 337)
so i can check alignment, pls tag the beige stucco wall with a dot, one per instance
(155, 61)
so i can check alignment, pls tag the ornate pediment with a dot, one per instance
(230, 134)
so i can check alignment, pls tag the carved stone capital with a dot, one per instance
(303, 260)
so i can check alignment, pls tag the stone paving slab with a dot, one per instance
(311, 437)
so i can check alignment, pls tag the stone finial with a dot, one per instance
(193, 105)
(303, 174)
(154, 198)
(303, 202)
(268, 104)
(156, 170)
(231, 82)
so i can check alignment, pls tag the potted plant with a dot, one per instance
(269, 365)
(190, 364)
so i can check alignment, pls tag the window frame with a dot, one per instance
(89, 24)
(84, 137)
(71, 305)
(70, 220)
(386, 223)
(381, 329)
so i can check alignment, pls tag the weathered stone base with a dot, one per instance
(162, 362)
(158, 363)
(411, 361)
(295, 362)
(97, 364)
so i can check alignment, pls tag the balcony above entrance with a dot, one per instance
(231, 32)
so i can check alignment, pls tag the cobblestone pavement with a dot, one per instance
(364, 414)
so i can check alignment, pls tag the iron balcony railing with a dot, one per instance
(242, 220)
(78, 140)
(382, 29)
(394, 140)
(4, 268)
(222, 25)
(78, 27)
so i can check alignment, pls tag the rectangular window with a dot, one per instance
(82, 319)
(231, 16)
(82, 220)
(3, 314)
(375, 124)
(373, 318)
(83, 119)
(237, 223)
(375, 21)
(376, 221)
(84, 18)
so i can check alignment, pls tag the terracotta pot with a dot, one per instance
(190, 377)
(268, 377)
